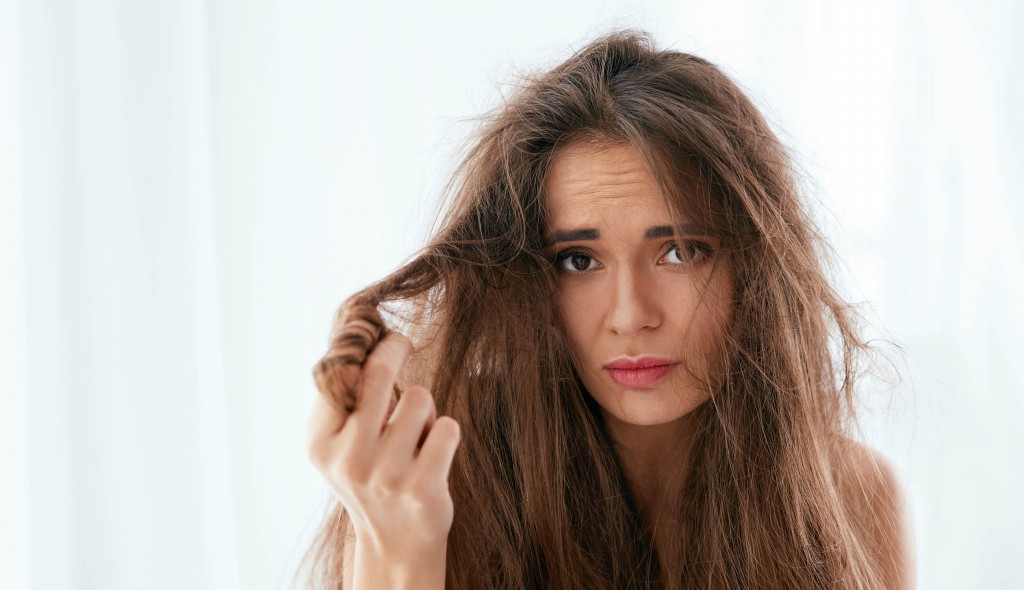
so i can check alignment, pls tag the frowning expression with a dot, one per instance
(641, 307)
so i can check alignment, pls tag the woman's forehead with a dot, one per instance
(616, 161)
(601, 184)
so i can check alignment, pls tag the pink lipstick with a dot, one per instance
(638, 372)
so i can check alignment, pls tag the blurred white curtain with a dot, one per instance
(189, 188)
(122, 398)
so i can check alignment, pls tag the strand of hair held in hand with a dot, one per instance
(357, 329)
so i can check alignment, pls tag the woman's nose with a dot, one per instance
(633, 303)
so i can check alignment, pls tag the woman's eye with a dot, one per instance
(573, 261)
(579, 262)
(700, 252)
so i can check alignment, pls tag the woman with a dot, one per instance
(624, 325)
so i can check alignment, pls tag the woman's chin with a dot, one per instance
(644, 408)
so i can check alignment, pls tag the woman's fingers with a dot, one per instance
(324, 423)
(376, 383)
(413, 416)
(393, 494)
(434, 461)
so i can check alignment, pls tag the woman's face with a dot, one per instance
(627, 289)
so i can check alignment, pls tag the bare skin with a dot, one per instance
(624, 295)
(390, 471)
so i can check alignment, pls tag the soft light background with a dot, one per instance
(189, 188)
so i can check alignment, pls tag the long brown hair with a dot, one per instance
(776, 492)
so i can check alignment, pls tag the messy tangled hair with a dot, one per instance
(777, 494)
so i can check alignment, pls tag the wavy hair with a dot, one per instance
(777, 495)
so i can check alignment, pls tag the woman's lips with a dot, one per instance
(641, 371)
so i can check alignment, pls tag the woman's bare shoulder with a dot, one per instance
(879, 502)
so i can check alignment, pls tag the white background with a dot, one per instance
(188, 189)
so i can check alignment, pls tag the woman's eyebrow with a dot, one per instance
(571, 235)
(665, 231)
(652, 233)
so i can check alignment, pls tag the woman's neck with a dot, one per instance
(655, 460)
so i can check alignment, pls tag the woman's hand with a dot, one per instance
(391, 477)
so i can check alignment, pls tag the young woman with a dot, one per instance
(618, 363)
